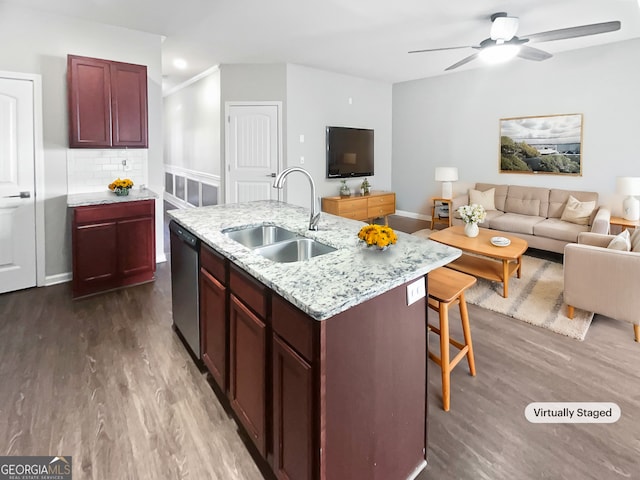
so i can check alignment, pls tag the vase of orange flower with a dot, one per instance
(121, 187)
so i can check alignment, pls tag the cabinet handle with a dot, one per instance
(20, 195)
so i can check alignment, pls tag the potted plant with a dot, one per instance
(472, 215)
(365, 188)
(121, 187)
(344, 189)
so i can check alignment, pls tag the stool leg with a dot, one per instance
(444, 354)
(466, 329)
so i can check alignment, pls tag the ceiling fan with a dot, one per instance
(503, 43)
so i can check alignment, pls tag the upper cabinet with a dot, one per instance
(107, 103)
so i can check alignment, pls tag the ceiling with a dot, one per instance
(365, 38)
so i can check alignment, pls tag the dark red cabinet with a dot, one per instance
(213, 314)
(292, 413)
(293, 416)
(95, 255)
(107, 103)
(113, 246)
(247, 371)
(320, 400)
(136, 246)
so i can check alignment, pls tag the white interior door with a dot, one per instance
(17, 205)
(253, 152)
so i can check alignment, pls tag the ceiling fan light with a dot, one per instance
(504, 28)
(499, 53)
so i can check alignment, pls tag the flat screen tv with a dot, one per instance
(349, 152)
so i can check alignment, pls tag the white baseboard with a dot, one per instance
(418, 216)
(58, 278)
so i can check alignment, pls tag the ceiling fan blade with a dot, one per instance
(573, 32)
(530, 53)
(462, 62)
(439, 49)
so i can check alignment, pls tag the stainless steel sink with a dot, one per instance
(258, 236)
(294, 250)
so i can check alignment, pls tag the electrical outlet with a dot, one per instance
(415, 291)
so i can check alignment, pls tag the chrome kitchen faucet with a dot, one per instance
(279, 183)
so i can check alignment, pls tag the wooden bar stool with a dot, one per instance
(446, 288)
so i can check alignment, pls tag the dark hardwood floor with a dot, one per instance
(106, 380)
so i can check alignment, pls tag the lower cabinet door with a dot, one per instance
(292, 413)
(247, 370)
(94, 258)
(136, 247)
(213, 326)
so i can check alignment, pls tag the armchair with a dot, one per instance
(602, 280)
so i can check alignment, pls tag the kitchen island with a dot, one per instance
(323, 361)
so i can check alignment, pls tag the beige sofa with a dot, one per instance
(533, 213)
(601, 280)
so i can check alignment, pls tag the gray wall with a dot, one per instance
(33, 42)
(311, 98)
(453, 120)
(192, 126)
(317, 99)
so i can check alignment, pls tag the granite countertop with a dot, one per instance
(327, 284)
(107, 196)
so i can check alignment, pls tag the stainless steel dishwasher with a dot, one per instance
(185, 260)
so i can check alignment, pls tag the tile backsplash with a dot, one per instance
(91, 170)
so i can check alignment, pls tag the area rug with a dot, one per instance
(536, 298)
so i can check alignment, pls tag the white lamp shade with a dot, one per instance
(628, 185)
(446, 174)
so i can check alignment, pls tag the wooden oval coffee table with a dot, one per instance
(482, 258)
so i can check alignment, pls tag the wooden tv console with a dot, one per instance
(362, 207)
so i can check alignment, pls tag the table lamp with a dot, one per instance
(629, 186)
(446, 175)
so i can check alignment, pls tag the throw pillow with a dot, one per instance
(578, 212)
(622, 242)
(635, 240)
(487, 198)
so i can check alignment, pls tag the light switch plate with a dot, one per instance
(415, 291)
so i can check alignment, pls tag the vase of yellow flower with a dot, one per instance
(378, 236)
(121, 187)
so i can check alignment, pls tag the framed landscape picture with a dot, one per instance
(547, 145)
